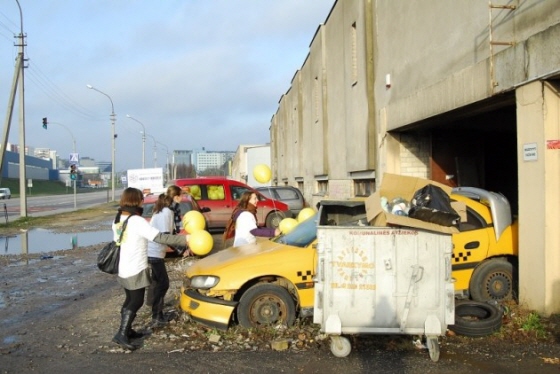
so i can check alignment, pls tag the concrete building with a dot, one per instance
(244, 161)
(462, 92)
(182, 157)
(35, 168)
(211, 160)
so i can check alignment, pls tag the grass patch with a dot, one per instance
(43, 187)
(532, 323)
(68, 217)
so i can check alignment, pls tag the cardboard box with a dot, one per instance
(394, 185)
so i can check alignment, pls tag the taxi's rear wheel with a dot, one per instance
(266, 304)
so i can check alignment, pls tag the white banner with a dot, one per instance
(146, 179)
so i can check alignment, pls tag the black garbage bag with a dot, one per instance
(432, 204)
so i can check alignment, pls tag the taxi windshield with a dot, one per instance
(302, 235)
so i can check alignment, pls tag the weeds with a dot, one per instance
(532, 323)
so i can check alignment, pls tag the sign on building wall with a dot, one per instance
(530, 152)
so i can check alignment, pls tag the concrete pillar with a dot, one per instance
(538, 127)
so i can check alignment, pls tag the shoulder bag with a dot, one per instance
(108, 257)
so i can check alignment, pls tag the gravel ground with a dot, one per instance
(59, 315)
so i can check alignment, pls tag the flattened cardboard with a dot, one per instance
(461, 209)
(394, 185)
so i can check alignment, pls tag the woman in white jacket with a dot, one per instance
(134, 275)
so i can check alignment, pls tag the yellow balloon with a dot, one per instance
(287, 225)
(201, 242)
(305, 213)
(195, 190)
(262, 173)
(193, 221)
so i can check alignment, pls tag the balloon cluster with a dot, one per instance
(288, 224)
(200, 241)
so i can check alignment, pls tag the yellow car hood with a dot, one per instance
(235, 265)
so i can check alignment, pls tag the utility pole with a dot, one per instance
(21, 146)
(9, 113)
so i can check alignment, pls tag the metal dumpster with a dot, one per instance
(381, 280)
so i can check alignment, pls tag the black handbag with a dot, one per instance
(108, 257)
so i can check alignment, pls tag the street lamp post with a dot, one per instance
(166, 159)
(155, 149)
(143, 140)
(112, 140)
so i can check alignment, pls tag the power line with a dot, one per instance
(53, 92)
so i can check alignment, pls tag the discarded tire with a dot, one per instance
(475, 319)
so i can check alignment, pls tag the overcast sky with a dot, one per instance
(195, 73)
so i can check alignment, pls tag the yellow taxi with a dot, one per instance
(264, 283)
(271, 282)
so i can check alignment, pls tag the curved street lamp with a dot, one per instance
(143, 140)
(70, 132)
(166, 159)
(112, 140)
(155, 148)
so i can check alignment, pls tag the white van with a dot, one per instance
(5, 193)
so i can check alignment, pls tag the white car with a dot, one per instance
(5, 193)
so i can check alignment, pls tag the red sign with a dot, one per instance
(553, 144)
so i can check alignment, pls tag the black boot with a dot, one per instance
(133, 334)
(121, 338)
(158, 320)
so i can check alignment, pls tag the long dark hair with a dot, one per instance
(173, 191)
(163, 201)
(131, 202)
(242, 206)
(244, 200)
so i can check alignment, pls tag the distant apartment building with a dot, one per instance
(47, 154)
(181, 157)
(15, 148)
(211, 160)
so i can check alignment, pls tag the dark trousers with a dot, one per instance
(134, 299)
(159, 286)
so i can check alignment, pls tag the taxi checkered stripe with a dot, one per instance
(461, 256)
(305, 275)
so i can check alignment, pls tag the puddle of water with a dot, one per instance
(41, 240)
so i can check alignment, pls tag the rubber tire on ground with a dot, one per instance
(266, 298)
(492, 280)
(340, 346)
(273, 219)
(475, 319)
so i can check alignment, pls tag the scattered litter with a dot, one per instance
(418, 344)
(550, 360)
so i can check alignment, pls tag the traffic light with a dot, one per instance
(45, 123)
(73, 172)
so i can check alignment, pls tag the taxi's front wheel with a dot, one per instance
(266, 304)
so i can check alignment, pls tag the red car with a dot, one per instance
(221, 195)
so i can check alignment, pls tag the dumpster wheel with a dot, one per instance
(433, 347)
(340, 346)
